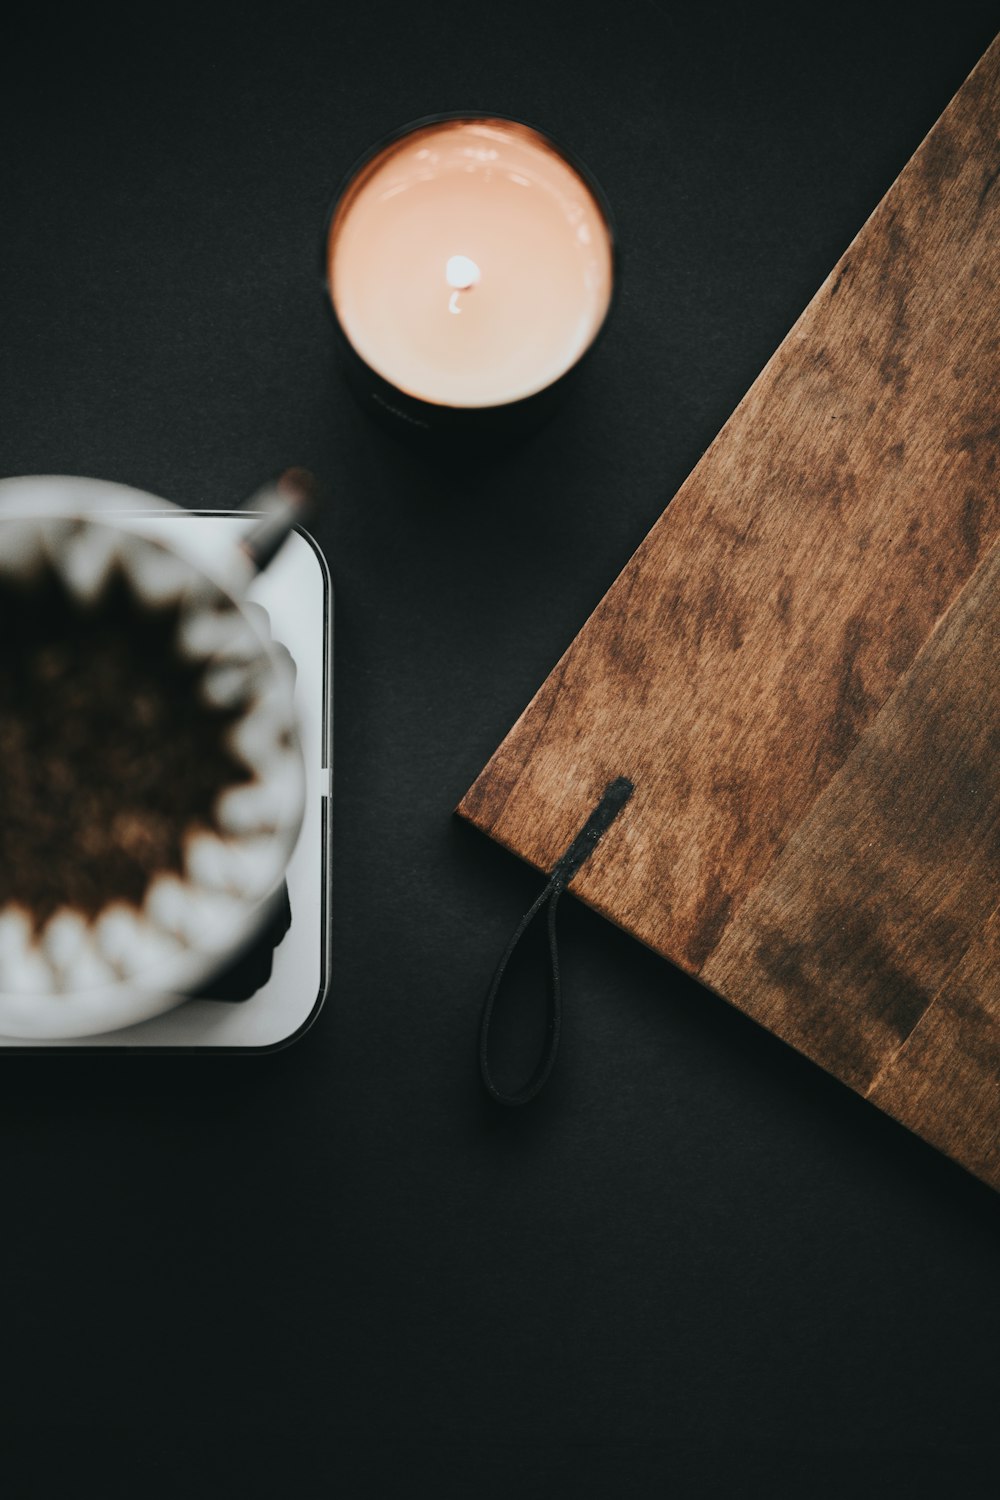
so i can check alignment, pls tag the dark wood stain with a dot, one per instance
(851, 706)
(798, 970)
(970, 522)
(943, 1082)
(989, 180)
(799, 668)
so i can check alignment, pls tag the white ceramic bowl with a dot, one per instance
(77, 978)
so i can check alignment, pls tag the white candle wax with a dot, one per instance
(469, 264)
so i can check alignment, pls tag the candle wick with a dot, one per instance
(462, 273)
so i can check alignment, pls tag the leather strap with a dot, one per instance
(615, 796)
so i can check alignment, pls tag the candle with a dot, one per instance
(469, 266)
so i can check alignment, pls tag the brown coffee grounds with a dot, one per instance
(109, 758)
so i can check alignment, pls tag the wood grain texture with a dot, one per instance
(783, 665)
(943, 1082)
(889, 877)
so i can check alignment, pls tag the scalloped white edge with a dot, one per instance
(181, 965)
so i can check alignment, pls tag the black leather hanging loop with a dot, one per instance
(616, 794)
(549, 897)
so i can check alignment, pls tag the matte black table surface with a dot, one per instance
(695, 1266)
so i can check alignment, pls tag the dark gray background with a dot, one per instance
(697, 1266)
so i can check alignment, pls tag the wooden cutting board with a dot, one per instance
(799, 671)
